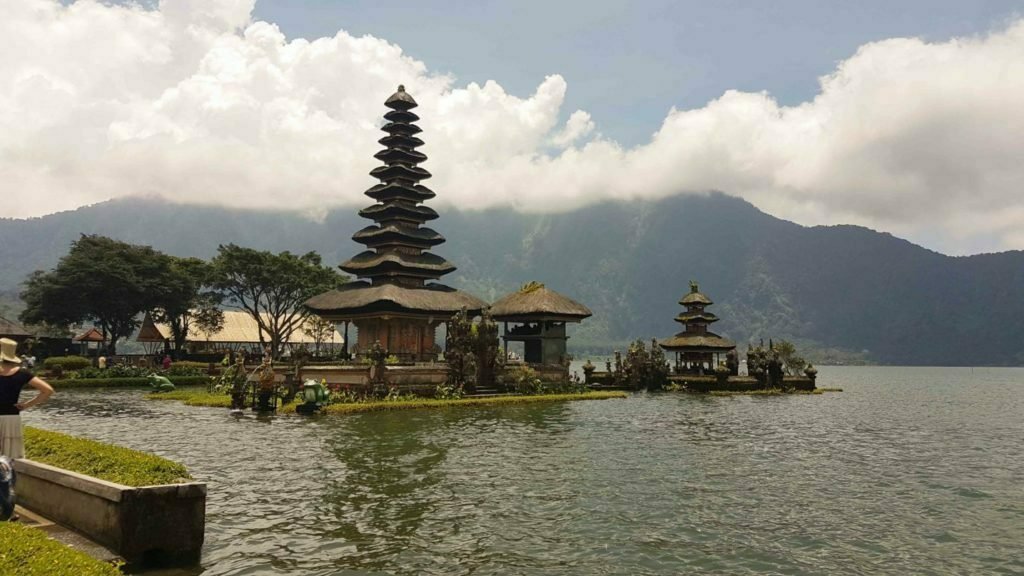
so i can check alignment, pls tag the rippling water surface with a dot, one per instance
(909, 470)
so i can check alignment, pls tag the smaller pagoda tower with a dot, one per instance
(697, 349)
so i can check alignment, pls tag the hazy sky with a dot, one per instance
(904, 116)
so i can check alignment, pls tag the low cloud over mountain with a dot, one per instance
(194, 101)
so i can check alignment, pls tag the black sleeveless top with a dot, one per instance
(10, 390)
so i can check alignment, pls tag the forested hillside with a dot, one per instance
(848, 292)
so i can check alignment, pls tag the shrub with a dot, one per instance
(448, 391)
(571, 385)
(29, 552)
(522, 379)
(115, 371)
(67, 362)
(190, 364)
(85, 373)
(103, 461)
(181, 369)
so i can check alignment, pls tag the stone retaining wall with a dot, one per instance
(148, 524)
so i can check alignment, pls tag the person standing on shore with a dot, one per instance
(12, 379)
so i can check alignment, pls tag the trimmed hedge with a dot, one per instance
(104, 461)
(29, 552)
(192, 364)
(68, 363)
(126, 382)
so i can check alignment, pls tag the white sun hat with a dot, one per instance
(9, 351)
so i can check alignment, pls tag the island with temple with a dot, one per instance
(702, 361)
(397, 302)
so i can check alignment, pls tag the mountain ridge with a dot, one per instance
(846, 287)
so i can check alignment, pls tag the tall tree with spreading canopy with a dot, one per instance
(188, 300)
(272, 287)
(320, 331)
(102, 280)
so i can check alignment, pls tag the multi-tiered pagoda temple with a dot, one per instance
(697, 349)
(396, 302)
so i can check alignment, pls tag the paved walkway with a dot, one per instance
(64, 535)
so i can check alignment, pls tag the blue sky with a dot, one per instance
(628, 63)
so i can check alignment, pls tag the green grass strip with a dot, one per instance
(224, 401)
(769, 392)
(355, 408)
(104, 461)
(194, 398)
(26, 551)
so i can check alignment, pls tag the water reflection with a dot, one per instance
(380, 501)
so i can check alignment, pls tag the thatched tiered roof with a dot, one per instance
(398, 246)
(398, 265)
(359, 298)
(535, 301)
(696, 338)
(707, 342)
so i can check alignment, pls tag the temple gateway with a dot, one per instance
(396, 300)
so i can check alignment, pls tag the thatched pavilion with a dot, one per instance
(540, 314)
(396, 302)
(696, 348)
(238, 332)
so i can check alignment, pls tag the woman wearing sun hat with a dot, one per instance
(12, 379)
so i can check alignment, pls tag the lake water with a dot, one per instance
(909, 470)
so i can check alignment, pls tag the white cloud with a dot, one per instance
(194, 102)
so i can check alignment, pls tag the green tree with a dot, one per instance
(320, 331)
(271, 287)
(792, 362)
(187, 299)
(101, 280)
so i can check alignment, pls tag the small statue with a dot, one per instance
(378, 360)
(588, 369)
(265, 378)
(235, 375)
(160, 384)
(732, 362)
(774, 370)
